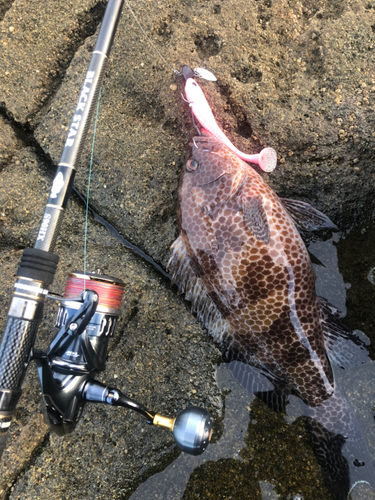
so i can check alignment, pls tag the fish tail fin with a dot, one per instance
(340, 447)
(335, 469)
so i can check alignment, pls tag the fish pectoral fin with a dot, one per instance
(256, 219)
(208, 181)
(231, 183)
(307, 217)
(343, 346)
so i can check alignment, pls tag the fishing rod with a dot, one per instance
(88, 311)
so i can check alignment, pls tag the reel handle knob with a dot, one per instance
(192, 430)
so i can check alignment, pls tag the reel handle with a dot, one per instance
(87, 319)
(192, 428)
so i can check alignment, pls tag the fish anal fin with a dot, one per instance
(343, 346)
(255, 218)
(257, 380)
(314, 259)
(307, 217)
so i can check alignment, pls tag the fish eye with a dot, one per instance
(191, 165)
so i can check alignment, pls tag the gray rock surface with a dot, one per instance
(297, 76)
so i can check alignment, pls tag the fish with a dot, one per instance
(241, 262)
(200, 108)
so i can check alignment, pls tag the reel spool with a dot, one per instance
(109, 289)
(102, 325)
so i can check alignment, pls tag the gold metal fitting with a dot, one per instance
(164, 421)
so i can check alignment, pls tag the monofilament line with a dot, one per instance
(150, 41)
(88, 188)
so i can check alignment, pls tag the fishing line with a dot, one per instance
(176, 72)
(88, 186)
(150, 41)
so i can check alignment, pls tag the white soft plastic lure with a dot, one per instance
(266, 159)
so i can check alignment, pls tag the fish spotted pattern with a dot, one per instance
(241, 261)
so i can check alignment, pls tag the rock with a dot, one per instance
(292, 78)
(9, 142)
(36, 44)
(296, 76)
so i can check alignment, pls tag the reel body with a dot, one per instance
(87, 319)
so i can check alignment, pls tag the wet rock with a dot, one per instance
(294, 77)
(362, 491)
(36, 43)
(357, 384)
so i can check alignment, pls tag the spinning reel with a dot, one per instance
(87, 319)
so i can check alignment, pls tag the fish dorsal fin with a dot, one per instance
(255, 218)
(307, 217)
(344, 347)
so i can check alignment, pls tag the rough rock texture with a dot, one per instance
(36, 42)
(9, 142)
(298, 76)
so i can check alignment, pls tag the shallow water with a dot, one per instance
(258, 454)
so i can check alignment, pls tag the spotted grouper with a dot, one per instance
(241, 262)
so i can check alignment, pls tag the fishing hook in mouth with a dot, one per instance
(195, 145)
(183, 97)
(199, 132)
(196, 128)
